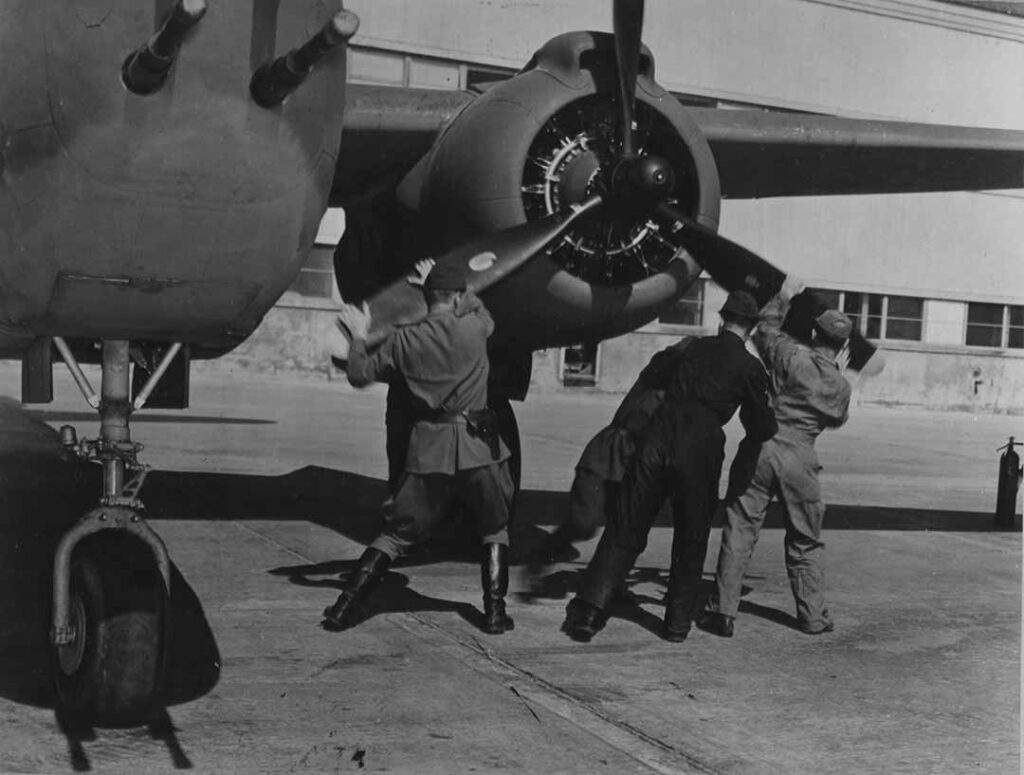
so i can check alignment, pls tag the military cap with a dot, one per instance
(834, 324)
(450, 276)
(740, 304)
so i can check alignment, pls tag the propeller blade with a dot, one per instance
(628, 22)
(732, 266)
(487, 260)
(735, 268)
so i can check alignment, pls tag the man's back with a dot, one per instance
(443, 359)
(719, 373)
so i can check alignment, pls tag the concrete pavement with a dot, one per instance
(269, 486)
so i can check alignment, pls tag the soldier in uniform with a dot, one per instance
(679, 455)
(454, 451)
(809, 394)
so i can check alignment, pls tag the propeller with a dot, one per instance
(735, 268)
(628, 22)
(485, 260)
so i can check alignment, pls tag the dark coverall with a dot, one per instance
(679, 455)
(809, 394)
(443, 360)
(603, 464)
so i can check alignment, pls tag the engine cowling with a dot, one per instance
(543, 141)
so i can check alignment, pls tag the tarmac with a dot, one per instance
(269, 486)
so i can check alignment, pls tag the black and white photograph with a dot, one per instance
(434, 387)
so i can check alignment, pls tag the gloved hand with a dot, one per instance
(422, 269)
(791, 286)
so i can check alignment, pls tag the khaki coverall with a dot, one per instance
(809, 394)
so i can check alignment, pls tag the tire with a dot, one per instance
(111, 675)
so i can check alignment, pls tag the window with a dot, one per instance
(903, 318)
(579, 365)
(880, 317)
(995, 325)
(689, 310)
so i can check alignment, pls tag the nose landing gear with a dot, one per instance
(111, 577)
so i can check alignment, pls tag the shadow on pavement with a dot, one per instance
(549, 508)
(393, 595)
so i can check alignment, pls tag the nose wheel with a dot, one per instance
(111, 578)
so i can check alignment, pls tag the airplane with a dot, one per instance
(164, 169)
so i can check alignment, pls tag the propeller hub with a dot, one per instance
(643, 180)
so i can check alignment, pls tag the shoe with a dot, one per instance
(494, 578)
(583, 620)
(673, 635)
(343, 613)
(816, 629)
(717, 624)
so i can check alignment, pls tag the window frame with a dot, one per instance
(864, 316)
(1004, 326)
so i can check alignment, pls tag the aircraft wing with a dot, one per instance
(387, 130)
(762, 154)
(758, 153)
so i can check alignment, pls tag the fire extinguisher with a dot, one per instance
(1009, 482)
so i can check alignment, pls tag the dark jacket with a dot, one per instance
(719, 374)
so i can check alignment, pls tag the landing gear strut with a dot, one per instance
(111, 577)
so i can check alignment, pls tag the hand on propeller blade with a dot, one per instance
(791, 286)
(354, 322)
(420, 272)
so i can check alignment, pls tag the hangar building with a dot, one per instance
(937, 279)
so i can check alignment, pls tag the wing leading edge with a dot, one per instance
(763, 154)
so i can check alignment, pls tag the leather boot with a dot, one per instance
(494, 579)
(586, 614)
(583, 620)
(343, 613)
(683, 588)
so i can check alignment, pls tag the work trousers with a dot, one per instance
(592, 499)
(422, 500)
(679, 457)
(786, 468)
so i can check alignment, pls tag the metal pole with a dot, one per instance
(76, 371)
(114, 411)
(150, 386)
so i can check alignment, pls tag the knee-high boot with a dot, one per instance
(494, 579)
(372, 566)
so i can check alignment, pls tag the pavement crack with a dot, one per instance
(270, 540)
(650, 751)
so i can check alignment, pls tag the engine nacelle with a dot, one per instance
(542, 141)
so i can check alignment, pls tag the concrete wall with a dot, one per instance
(915, 374)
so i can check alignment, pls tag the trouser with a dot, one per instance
(787, 469)
(399, 417)
(422, 500)
(592, 498)
(680, 457)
